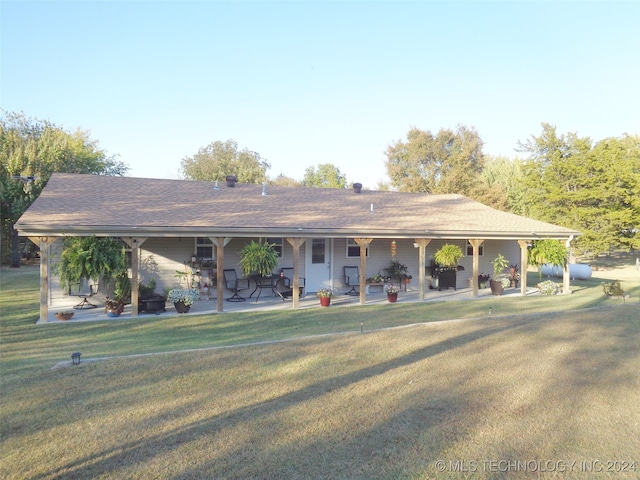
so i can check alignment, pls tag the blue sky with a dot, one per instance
(305, 83)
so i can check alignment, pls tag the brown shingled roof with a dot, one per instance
(104, 205)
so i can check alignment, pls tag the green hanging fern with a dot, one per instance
(89, 258)
(448, 255)
(259, 258)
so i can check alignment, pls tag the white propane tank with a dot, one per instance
(576, 271)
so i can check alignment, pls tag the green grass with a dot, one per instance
(545, 378)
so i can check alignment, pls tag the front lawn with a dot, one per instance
(539, 380)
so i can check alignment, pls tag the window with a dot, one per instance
(204, 248)
(353, 249)
(318, 250)
(277, 244)
(470, 249)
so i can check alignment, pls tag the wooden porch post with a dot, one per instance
(524, 265)
(44, 243)
(566, 277)
(134, 243)
(220, 243)
(296, 243)
(475, 243)
(422, 263)
(363, 243)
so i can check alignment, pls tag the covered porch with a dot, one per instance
(273, 303)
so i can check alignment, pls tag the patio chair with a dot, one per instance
(352, 279)
(287, 281)
(235, 285)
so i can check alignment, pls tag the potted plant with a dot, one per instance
(397, 271)
(548, 287)
(149, 300)
(446, 259)
(547, 252)
(89, 259)
(482, 280)
(64, 315)
(392, 292)
(258, 258)
(514, 275)
(496, 283)
(448, 255)
(114, 306)
(375, 278)
(325, 295)
(183, 298)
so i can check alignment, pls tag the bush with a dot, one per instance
(612, 289)
(548, 287)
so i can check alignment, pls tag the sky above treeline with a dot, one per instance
(305, 83)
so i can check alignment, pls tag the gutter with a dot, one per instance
(248, 232)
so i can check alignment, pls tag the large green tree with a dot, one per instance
(594, 188)
(326, 175)
(219, 159)
(30, 151)
(501, 184)
(448, 162)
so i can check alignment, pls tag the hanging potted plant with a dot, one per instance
(183, 298)
(258, 258)
(325, 295)
(547, 252)
(446, 259)
(392, 293)
(89, 259)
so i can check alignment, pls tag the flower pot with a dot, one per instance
(113, 313)
(392, 297)
(496, 287)
(65, 316)
(325, 301)
(181, 307)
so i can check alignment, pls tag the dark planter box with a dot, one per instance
(152, 303)
(446, 278)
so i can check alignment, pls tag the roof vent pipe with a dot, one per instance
(264, 189)
(357, 187)
(231, 180)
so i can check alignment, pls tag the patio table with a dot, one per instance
(269, 282)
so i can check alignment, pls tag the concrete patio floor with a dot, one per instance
(266, 303)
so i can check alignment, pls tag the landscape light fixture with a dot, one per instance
(75, 357)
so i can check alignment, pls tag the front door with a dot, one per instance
(318, 268)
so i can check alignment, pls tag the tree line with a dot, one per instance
(593, 187)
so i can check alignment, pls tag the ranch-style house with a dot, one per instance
(170, 224)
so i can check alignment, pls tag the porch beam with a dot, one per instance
(524, 265)
(44, 243)
(422, 264)
(363, 243)
(296, 243)
(475, 243)
(217, 241)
